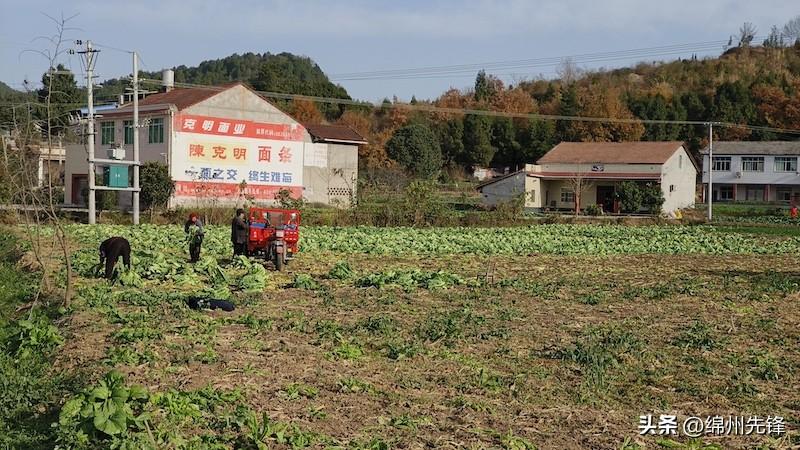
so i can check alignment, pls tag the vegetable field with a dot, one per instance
(553, 336)
(544, 239)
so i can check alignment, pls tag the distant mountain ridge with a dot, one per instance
(283, 72)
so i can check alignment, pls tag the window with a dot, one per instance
(722, 164)
(155, 132)
(754, 194)
(567, 196)
(726, 193)
(106, 133)
(752, 164)
(672, 188)
(128, 125)
(783, 195)
(785, 164)
(680, 161)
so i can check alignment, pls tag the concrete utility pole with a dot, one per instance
(136, 138)
(710, 191)
(89, 56)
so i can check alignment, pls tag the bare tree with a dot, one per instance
(568, 71)
(579, 184)
(39, 204)
(791, 31)
(747, 32)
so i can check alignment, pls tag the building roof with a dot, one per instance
(335, 133)
(596, 175)
(755, 148)
(182, 98)
(571, 175)
(500, 178)
(611, 153)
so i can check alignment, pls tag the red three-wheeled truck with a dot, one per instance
(274, 234)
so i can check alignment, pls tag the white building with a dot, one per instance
(223, 145)
(598, 168)
(754, 171)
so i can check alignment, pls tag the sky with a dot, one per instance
(363, 36)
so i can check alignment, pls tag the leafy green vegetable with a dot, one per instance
(255, 280)
(305, 281)
(341, 271)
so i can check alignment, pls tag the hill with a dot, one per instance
(755, 86)
(6, 90)
(283, 72)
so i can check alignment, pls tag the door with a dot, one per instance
(80, 190)
(605, 198)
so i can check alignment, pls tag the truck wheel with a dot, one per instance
(279, 262)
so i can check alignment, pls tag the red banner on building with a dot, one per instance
(200, 190)
(217, 126)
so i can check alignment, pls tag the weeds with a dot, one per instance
(699, 336)
(296, 391)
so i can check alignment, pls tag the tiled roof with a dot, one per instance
(335, 133)
(182, 98)
(755, 148)
(611, 153)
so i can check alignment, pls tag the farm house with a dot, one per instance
(597, 169)
(222, 145)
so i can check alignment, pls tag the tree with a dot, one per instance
(157, 185)
(504, 140)
(305, 111)
(775, 39)
(416, 148)
(596, 102)
(630, 196)
(791, 31)
(39, 203)
(451, 141)
(734, 103)
(568, 72)
(652, 197)
(568, 107)
(482, 87)
(747, 32)
(61, 90)
(537, 139)
(477, 140)
(579, 185)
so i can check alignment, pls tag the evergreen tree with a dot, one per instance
(477, 140)
(483, 89)
(537, 139)
(416, 148)
(504, 140)
(64, 97)
(568, 107)
(451, 141)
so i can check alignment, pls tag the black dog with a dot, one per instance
(110, 251)
(209, 303)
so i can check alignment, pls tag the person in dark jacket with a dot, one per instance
(110, 251)
(239, 233)
(194, 231)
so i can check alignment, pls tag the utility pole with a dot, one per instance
(89, 56)
(710, 191)
(136, 138)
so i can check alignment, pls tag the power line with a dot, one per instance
(481, 112)
(424, 72)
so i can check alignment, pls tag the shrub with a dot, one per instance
(630, 196)
(652, 197)
(593, 210)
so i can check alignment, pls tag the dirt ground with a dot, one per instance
(547, 351)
